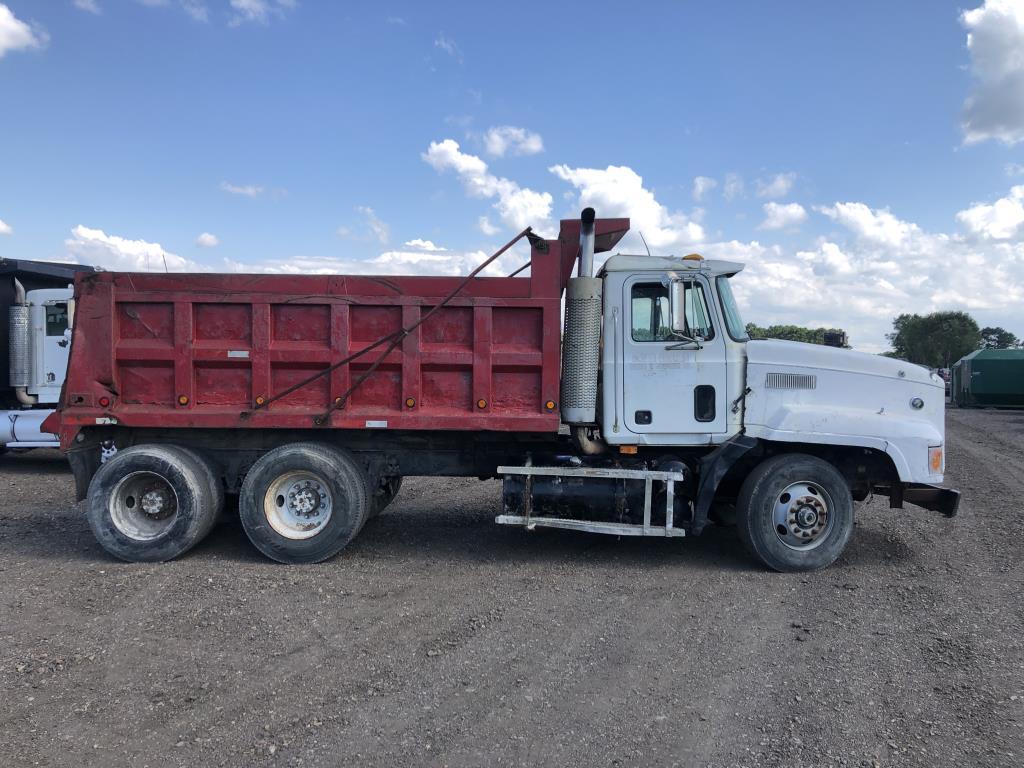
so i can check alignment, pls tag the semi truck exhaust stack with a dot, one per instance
(20, 346)
(581, 342)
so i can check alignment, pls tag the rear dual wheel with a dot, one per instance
(304, 502)
(151, 503)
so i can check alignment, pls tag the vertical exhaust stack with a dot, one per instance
(581, 342)
(19, 339)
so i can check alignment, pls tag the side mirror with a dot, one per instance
(677, 294)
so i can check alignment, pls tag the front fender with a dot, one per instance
(904, 440)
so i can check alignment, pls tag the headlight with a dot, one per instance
(935, 459)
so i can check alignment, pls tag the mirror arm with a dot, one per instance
(682, 344)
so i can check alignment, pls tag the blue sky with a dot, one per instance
(862, 158)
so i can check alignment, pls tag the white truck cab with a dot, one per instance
(665, 390)
(779, 437)
(39, 339)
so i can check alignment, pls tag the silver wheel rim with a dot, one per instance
(143, 506)
(803, 515)
(298, 505)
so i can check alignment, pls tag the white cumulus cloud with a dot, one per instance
(519, 207)
(733, 187)
(995, 39)
(247, 190)
(884, 266)
(17, 35)
(516, 141)
(380, 231)
(95, 247)
(486, 227)
(701, 186)
(259, 11)
(449, 46)
(197, 9)
(878, 226)
(5, 228)
(207, 240)
(396, 262)
(618, 191)
(89, 6)
(424, 245)
(1001, 220)
(775, 186)
(783, 215)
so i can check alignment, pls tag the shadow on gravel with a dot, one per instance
(431, 536)
(418, 536)
(872, 546)
(34, 462)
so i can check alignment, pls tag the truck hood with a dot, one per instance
(795, 354)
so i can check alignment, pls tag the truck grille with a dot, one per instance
(790, 381)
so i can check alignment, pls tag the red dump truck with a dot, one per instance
(310, 397)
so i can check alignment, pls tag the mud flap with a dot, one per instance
(713, 468)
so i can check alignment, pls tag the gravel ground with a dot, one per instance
(441, 639)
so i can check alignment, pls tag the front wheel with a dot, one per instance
(795, 513)
(303, 502)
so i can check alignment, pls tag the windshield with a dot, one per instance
(733, 321)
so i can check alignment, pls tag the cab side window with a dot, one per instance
(56, 319)
(651, 319)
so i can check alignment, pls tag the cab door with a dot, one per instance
(673, 391)
(51, 345)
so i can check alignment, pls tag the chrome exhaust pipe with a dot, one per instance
(587, 242)
(581, 342)
(20, 341)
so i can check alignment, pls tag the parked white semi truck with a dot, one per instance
(40, 309)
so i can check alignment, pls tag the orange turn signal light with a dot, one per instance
(935, 459)
(628, 449)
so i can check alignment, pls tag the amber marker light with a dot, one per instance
(410, 402)
(481, 403)
(550, 405)
(935, 459)
(260, 400)
(182, 399)
(629, 449)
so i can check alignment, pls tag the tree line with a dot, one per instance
(940, 339)
(936, 340)
(834, 337)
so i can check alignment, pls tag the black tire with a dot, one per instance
(386, 493)
(765, 490)
(212, 479)
(181, 483)
(266, 502)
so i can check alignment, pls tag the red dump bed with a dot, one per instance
(217, 350)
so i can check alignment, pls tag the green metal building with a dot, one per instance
(989, 378)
